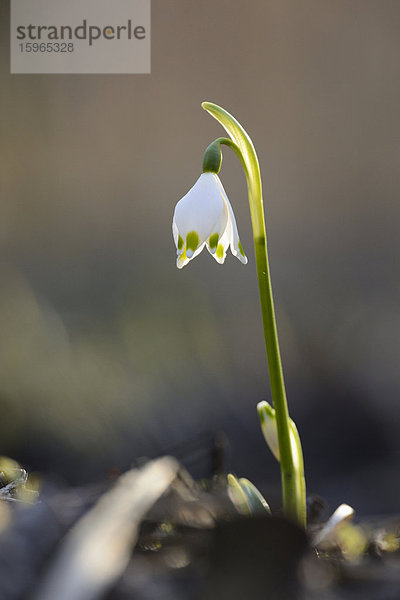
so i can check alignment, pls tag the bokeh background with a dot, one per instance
(107, 351)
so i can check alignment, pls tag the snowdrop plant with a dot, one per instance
(204, 218)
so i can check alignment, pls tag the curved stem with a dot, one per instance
(293, 494)
(212, 160)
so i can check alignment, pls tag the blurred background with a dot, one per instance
(107, 351)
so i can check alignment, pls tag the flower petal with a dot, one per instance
(183, 259)
(201, 211)
(232, 230)
(204, 217)
(219, 250)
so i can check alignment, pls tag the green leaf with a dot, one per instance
(247, 156)
(237, 495)
(246, 497)
(255, 500)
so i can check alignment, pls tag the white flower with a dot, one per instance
(204, 217)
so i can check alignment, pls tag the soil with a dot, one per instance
(190, 544)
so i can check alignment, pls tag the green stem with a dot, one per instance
(293, 494)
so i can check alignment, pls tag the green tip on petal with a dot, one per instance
(181, 260)
(265, 411)
(241, 248)
(180, 243)
(213, 241)
(220, 251)
(192, 242)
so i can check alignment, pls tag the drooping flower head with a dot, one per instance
(204, 217)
